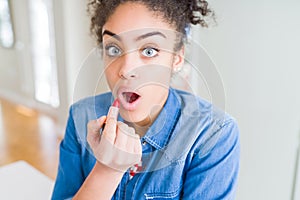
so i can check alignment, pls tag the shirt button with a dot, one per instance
(144, 143)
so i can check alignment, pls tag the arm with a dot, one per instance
(100, 184)
(69, 158)
(214, 175)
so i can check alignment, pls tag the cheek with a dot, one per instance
(111, 76)
(166, 59)
(154, 95)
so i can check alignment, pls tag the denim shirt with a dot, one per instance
(191, 151)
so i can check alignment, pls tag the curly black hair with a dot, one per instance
(180, 13)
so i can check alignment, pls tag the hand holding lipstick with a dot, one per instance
(118, 147)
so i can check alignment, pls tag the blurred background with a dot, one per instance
(255, 47)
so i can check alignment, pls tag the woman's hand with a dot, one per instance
(118, 147)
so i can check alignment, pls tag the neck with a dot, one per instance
(140, 130)
(142, 127)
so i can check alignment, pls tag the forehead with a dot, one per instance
(134, 16)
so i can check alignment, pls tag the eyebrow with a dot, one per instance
(111, 34)
(154, 33)
(141, 37)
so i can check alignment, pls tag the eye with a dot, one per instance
(150, 52)
(113, 51)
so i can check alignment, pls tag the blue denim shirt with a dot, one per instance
(191, 151)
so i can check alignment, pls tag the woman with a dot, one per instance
(166, 143)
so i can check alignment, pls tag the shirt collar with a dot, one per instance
(161, 130)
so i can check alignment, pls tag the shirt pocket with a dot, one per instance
(163, 184)
(162, 196)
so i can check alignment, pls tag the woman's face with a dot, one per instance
(138, 52)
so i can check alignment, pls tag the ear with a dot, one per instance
(178, 60)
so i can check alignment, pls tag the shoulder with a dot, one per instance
(197, 108)
(209, 124)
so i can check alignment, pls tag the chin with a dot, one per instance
(135, 117)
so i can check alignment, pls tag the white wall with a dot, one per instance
(77, 40)
(77, 67)
(256, 49)
(8, 68)
(73, 44)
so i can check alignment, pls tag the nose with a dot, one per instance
(128, 65)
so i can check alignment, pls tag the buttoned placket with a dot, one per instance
(125, 189)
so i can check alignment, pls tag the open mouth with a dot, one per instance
(130, 97)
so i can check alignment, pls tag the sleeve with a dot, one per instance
(69, 176)
(214, 175)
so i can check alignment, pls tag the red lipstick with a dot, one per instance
(116, 103)
(113, 112)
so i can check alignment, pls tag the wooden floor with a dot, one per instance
(28, 135)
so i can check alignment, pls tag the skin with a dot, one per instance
(130, 68)
(119, 73)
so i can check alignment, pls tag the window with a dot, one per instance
(6, 27)
(43, 52)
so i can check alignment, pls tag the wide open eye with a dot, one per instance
(113, 51)
(150, 52)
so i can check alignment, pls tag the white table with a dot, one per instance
(21, 181)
